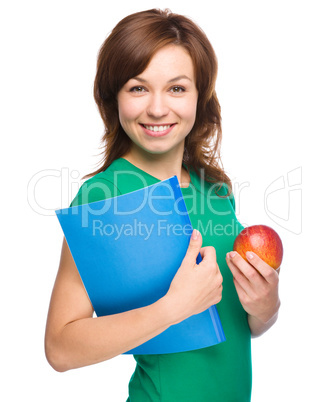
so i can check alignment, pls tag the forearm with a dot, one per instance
(75, 339)
(258, 327)
(92, 340)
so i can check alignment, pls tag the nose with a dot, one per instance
(157, 106)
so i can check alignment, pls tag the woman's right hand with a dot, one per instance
(74, 338)
(195, 287)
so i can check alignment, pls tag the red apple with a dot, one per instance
(263, 241)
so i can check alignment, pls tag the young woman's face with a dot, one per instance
(157, 108)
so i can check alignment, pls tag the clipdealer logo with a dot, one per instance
(283, 201)
(282, 197)
(137, 228)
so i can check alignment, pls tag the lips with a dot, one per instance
(157, 130)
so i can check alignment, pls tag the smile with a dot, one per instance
(157, 128)
(157, 131)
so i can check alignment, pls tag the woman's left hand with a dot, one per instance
(257, 285)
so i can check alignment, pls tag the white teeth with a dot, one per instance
(157, 128)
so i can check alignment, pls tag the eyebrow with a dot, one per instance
(179, 77)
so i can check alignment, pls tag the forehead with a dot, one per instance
(170, 61)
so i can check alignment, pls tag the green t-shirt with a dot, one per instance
(220, 373)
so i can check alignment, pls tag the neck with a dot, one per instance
(160, 166)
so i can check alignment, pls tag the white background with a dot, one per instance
(273, 88)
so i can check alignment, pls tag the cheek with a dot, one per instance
(188, 111)
(128, 111)
(125, 114)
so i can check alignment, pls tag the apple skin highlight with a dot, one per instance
(263, 241)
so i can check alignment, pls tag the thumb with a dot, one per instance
(193, 248)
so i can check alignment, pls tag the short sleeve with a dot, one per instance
(227, 192)
(95, 189)
(232, 200)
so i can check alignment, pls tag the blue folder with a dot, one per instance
(127, 250)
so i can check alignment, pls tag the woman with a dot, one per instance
(155, 89)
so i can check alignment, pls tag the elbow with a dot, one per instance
(55, 357)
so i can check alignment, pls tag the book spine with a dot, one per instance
(217, 324)
(219, 332)
(180, 203)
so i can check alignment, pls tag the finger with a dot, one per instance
(246, 269)
(193, 249)
(240, 290)
(208, 253)
(239, 277)
(209, 260)
(267, 272)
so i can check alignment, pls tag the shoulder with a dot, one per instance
(227, 192)
(211, 189)
(97, 188)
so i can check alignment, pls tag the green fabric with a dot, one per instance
(218, 373)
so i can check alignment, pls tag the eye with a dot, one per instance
(177, 89)
(137, 89)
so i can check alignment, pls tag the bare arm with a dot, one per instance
(258, 327)
(74, 338)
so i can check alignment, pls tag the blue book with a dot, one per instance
(128, 249)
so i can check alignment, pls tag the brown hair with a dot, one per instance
(127, 52)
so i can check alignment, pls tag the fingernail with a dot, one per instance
(195, 234)
(249, 255)
(232, 254)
